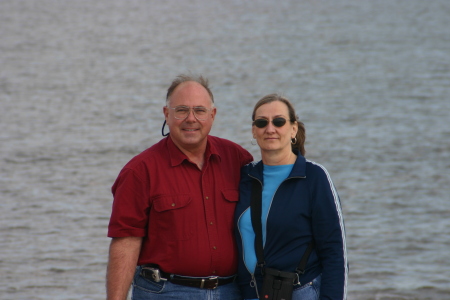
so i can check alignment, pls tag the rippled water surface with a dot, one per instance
(82, 85)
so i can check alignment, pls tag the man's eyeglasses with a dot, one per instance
(182, 112)
(277, 122)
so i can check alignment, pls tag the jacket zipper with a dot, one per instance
(271, 200)
(253, 281)
(253, 284)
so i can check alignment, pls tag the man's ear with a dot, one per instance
(213, 112)
(166, 112)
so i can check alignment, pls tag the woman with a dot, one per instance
(300, 206)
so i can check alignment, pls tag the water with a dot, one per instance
(82, 85)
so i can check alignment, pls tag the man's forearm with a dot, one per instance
(123, 256)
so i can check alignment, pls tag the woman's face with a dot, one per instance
(271, 137)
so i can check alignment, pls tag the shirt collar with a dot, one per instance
(177, 156)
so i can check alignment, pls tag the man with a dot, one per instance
(172, 218)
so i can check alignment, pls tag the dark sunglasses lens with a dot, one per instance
(279, 122)
(260, 123)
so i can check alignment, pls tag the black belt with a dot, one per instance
(209, 283)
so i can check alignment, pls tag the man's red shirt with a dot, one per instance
(184, 214)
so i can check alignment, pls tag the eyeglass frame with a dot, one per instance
(191, 108)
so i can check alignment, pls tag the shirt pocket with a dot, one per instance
(165, 203)
(231, 195)
(230, 199)
(171, 216)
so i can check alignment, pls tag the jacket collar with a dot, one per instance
(299, 169)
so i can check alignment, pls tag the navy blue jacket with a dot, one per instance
(305, 208)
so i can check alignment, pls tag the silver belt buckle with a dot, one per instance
(156, 275)
(210, 278)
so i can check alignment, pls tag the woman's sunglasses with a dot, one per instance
(277, 122)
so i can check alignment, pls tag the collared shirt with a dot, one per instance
(184, 214)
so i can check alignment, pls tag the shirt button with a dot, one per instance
(210, 223)
(214, 272)
(207, 198)
(173, 204)
(214, 247)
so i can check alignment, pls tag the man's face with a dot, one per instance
(189, 134)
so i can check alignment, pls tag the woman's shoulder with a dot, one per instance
(315, 167)
(316, 172)
(250, 169)
(252, 166)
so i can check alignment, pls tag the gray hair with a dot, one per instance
(185, 78)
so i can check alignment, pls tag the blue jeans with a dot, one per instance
(309, 291)
(144, 288)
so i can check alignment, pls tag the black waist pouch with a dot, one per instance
(278, 285)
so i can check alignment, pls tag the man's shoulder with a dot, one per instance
(153, 153)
